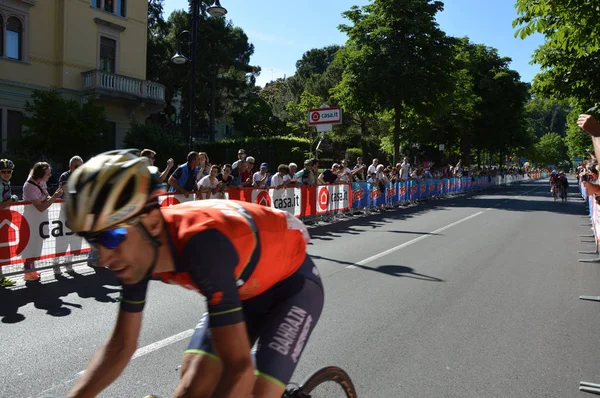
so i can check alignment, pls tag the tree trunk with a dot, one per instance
(363, 134)
(397, 115)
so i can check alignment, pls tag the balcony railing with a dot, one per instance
(97, 79)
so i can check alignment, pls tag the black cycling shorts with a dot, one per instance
(279, 320)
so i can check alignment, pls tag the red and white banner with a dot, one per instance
(288, 200)
(332, 198)
(29, 235)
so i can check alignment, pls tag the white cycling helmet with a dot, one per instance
(108, 190)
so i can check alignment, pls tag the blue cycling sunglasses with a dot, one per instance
(111, 238)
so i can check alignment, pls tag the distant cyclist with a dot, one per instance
(248, 260)
(554, 178)
(563, 183)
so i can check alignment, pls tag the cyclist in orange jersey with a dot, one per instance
(249, 261)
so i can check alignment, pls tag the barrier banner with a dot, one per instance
(29, 235)
(288, 200)
(440, 187)
(403, 191)
(360, 195)
(376, 196)
(391, 194)
(431, 187)
(424, 192)
(174, 199)
(332, 198)
(413, 190)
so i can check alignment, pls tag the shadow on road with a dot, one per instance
(531, 200)
(47, 296)
(400, 271)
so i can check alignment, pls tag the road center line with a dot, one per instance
(410, 242)
(432, 233)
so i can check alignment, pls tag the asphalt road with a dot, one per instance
(473, 296)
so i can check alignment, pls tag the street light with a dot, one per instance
(215, 10)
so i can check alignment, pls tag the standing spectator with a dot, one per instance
(183, 180)
(359, 169)
(294, 182)
(346, 174)
(150, 154)
(260, 177)
(35, 191)
(304, 176)
(236, 171)
(282, 178)
(405, 169)
(330, 176)
(6, 199)
(241, 158)
(208, 187)
(373, 167)
(225, 177)
(247, 180)
(204, 166)
(74, 163)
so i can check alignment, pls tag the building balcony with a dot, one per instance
(123, 88)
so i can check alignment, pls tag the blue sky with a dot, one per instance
(282, 30)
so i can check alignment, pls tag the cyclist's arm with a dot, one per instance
(112, 358)
(214, 275)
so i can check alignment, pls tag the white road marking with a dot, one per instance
(432, 233)
(410, 242)
(158, 345)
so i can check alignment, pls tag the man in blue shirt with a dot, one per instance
(183, 180)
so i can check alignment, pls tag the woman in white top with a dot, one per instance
(36, 192)
(281, 179)
(208, 187)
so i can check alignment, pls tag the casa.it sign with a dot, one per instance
(332, 115)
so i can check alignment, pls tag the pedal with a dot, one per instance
(590, 298)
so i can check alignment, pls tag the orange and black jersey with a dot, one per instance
(229, 251)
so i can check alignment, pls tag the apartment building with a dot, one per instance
(82, 48)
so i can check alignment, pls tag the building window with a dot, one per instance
(121, 8)
(14, 38)
(117, 7)
(108, 54)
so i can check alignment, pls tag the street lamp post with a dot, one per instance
(215, 10)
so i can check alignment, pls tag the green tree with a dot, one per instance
(166, 143)
(544, 115)
(578, 141)
(570, 56)
(550, 150)
(59, 128)
(398, 59)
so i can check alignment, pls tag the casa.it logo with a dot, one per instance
(169, 201)
(323, 198)
(358, 194)
(14, 234)
(263, 198)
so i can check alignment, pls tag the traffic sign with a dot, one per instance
(331, 115)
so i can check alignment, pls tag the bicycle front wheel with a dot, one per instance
(330, 381)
